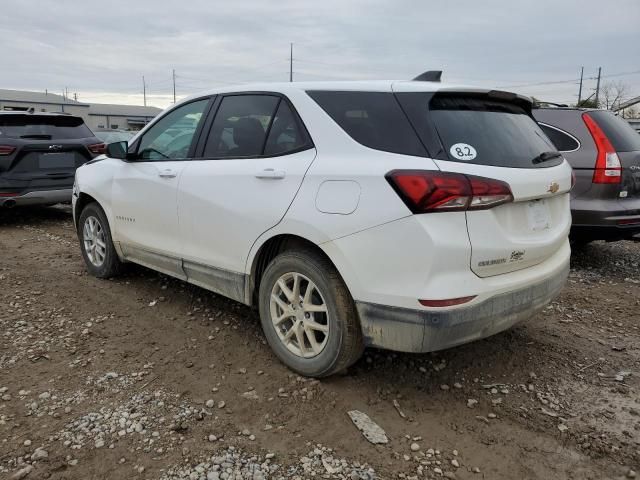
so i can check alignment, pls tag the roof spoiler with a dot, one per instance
(429, 76)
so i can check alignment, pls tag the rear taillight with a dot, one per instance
(97, 148)
(7, 149)
(434, 191)
(608, 168)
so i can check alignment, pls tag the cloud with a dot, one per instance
(104, 48)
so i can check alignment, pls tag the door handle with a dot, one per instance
(168, 173)
(270, 173)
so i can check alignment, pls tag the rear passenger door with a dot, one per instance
(253, 155)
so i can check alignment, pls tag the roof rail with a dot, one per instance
(429, 76)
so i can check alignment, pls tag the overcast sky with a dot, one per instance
(101, 49)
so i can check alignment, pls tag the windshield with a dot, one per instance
(49, 127)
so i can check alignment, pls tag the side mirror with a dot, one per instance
(117, 150)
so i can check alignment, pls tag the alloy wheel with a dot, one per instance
(299, 315)
(93, 237)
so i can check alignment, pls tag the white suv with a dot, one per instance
(409, 215)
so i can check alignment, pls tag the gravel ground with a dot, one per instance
(146, 377)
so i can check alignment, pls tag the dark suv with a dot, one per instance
(39, 154)
(604, 151)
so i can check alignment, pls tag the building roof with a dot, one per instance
(23, 96)
(123, 110)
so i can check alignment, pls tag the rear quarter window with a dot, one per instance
(621, 135)
(562, 140)
(373, 119)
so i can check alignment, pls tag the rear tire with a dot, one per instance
(307, 314)
(96, 244)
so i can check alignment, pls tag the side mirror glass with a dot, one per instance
(117, 150)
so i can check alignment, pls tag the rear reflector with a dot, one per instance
(97, 148)
(450, 302)
(8, 194)
(426, 191)
(7, 149)
(608, 168)
(629, 221)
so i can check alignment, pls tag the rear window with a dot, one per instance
(483, 130)
(621, 135)
(373, 119)
(43, 127)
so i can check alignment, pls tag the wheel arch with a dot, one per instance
(84, 199)
(267, 251)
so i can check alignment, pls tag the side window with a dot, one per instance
(286, 134)
(562, 141)
(373, 119)
(170, 138)
(240, 126)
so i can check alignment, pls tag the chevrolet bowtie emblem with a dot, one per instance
(554, 187)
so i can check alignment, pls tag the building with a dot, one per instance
(19, 100)
(125, 117)
(95, 115)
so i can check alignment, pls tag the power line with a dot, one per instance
(575, 80)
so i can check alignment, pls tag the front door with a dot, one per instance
(145, 190)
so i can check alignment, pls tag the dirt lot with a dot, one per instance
(148, 377)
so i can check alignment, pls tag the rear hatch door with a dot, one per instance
(47, 149)
(493, 135)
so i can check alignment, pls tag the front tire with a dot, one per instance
(96, 244)
(307, 314)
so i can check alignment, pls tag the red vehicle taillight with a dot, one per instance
(97, 148)
(426, 191)
(608, 168)
(7, 149)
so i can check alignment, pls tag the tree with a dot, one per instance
(613, 94)
(629, 112)
(587, 103)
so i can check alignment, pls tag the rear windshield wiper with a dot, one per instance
(37, 136)
(545, 157)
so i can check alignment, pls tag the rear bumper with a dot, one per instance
(605, 219)
(38, 197)
(410, 330)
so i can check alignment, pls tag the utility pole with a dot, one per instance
(144, 91)
(66, 91)
(291, 64)
(580, 89)
(598, 86)
(174, 85)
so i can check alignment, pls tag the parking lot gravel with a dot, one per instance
(147, 377)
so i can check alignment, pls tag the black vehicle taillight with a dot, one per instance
(426, 191)
(608, 168)
(97, 148)
(7, 150)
